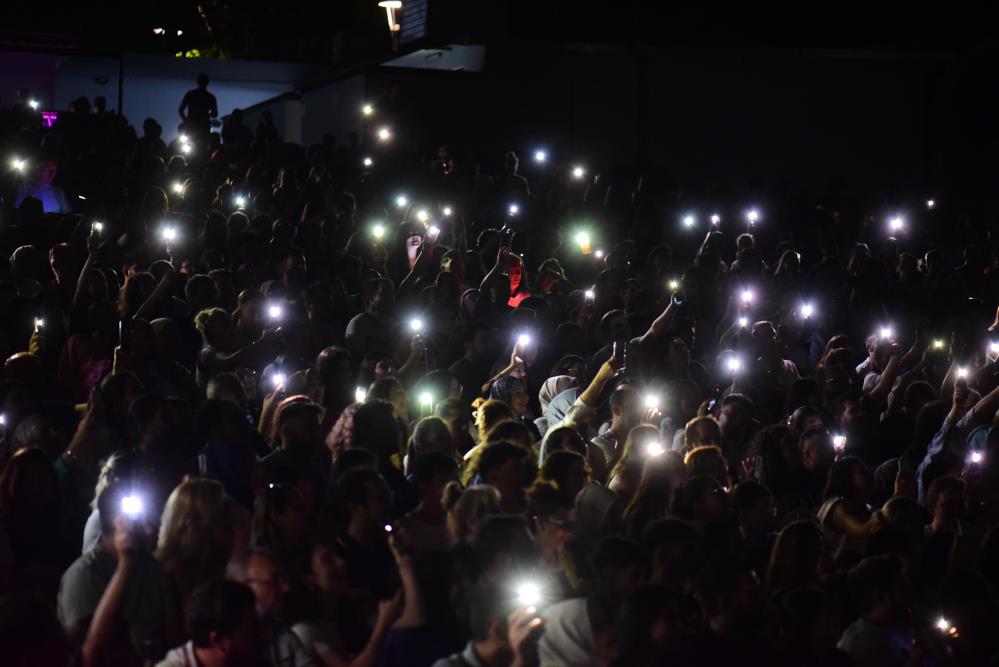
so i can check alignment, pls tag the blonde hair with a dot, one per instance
(690, 433)
(196, 532)
(468, 506)
(203, 317)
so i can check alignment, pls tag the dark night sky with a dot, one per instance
(351, 31)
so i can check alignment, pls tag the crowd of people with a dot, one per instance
(372, 403)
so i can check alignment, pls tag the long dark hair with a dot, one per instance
(840, 481)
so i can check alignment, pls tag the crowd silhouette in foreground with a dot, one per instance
(378, 402)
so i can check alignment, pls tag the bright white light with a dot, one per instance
(422, 215)
(180, 33)
(886, 333)
(177, 187)
(674, 285)
(360, 395)
(367, 109)
(368, 162)
(807, 310)
(976, 457)
(747, 296)
(39, 323)
(743, 322)
(159, 31)
(578, 172)
(388, 528)
(33, 104)
(583, 239)
(97, 227)
(540, 156)
(186, 149)
(962, 373)
(384, 134)
(426, 398)
(943, 625)
(523, 340)
(654, 448)
(896, 224)
(938, 344)
(18, 164)
(994, 347)
(513, 209)
(434, 231)
(734, 364)
(169, 234)
(401, 201)
(278, 379)
(132, 506)
(715, 219)
(447, 211)
(689, 220)
(378, 231)
(651, 402)
(839, 442)
(240, 201)
(931, 203)
(275, 312)
(528, 594)
(599, 254)
(416, 325)
(753, 216)
(589, 295)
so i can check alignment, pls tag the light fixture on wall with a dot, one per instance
(391, 7)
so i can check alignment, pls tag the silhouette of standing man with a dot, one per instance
(198, 108)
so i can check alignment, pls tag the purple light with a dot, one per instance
(49, 118)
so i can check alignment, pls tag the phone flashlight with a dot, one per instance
(278, 379)
(651, 402)
(183, 138)
(434, 231)
(422, 215)
(367, 110)
(401, 201)
(931, 204)
(839, 442)
(132, 506)
(589, 295)
(275, 312)
(962, 373)
(528, 594)
(734, 364)
(715, 219)
(807, 310)
(582, 239)
(33, 104)
(169, 234)
(384, 134)
(523, 340)
(97, 227)
(599, 254)
(655, 448)
(994, 347)
(896, 224)
(426, 398)
(540, 156)
(240, 201)
(177, 187)
(976, 457)
(39, 324)
(886, 333)
(674, 285)
(367, 162)
(416, 325)
(447, 211)
(186, 149)
(747, 296)
(360, 394)
(753, 216)
(513, 209)
(689, 220)
(378, 231)
(388, 528)
(18, 164)
(946, 627)
(938, 344)
(578, 172)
